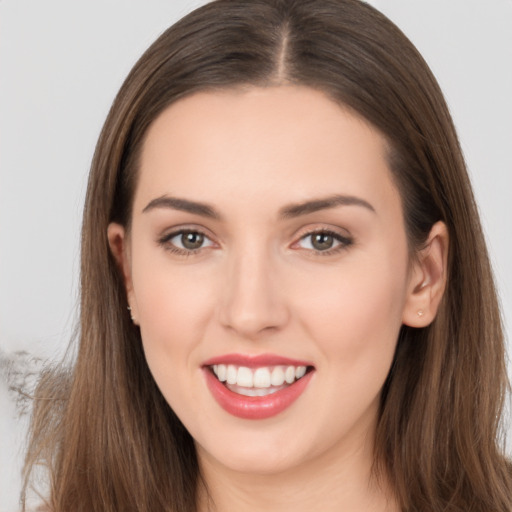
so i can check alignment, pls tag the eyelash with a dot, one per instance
(343, 242)
(165, 240)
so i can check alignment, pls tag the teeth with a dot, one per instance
(244, 377)
(299, 372)
(254, 391)
(221, 372)
(277, 378)
(231, 374)
(262, 378)
(289, 374)
(257, 378)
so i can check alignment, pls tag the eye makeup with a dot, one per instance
(192, 241)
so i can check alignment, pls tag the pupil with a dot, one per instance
(192, 240)
(321, 241)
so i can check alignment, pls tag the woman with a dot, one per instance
(279, 308)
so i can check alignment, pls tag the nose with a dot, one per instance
(252, 301)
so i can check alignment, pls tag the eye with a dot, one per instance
(324, 241)
(185, 241)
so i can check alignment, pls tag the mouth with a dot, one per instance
(261, 381)
(256, 387)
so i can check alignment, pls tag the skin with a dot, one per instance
(258, 285)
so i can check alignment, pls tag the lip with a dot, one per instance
(255, 407)
(255, 361)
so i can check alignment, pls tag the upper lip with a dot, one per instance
(255, 361)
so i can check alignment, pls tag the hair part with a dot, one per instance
(103, 429)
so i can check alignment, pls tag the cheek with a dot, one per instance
(173, 306)
(355, 323)
(168, 294)
(356, 318)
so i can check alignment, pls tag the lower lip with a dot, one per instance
(255, 407)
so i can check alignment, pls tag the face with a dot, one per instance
(268, 247)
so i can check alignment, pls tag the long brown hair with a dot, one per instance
(101, 427)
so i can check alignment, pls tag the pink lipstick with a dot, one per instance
(256, 387)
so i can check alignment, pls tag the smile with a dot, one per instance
(261, 381)
(256, 387)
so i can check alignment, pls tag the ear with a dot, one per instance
(427, 279)
(119, 246)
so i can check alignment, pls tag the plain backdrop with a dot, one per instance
(62, 62)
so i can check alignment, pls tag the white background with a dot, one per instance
(61, 64)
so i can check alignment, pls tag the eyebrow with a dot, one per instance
(184, 205)
(296, 210)
(287, 212)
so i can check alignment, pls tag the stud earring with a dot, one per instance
(420, 312)
(131, 314)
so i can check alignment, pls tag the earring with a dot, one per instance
(420, 312)
(131, 314)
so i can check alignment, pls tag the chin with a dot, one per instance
(255, 462)
(258, 450)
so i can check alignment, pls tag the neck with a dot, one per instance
(328, 483)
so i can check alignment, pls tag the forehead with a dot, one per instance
(284, 143)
